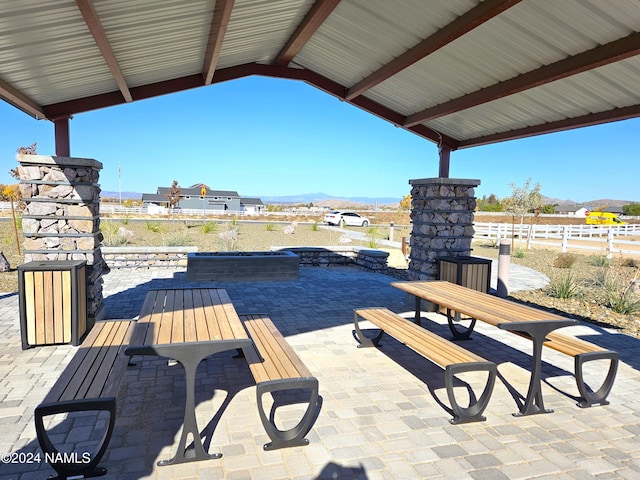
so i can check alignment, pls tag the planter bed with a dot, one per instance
(242, 266)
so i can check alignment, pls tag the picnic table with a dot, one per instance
(188, 325)
(530, 322)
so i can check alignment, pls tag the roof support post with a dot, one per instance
(445, 155)
(61, 128)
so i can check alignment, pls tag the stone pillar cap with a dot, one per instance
(60, 161)
(444, 181)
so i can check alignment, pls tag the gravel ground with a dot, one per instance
(590, 303)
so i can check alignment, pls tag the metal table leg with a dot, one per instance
(189, 355)
(537, 331)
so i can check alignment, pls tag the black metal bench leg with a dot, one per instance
(362, 339)
(294, 436)
(65, 466)
(454, 318)
(588, 397)
(472, 413)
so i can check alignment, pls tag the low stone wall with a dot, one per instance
(369, 259)
(146, 257)
(333, 256)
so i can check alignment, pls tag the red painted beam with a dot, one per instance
(61, 133)
(219, 24)
(95, 27)
(309, 25)
(597, 57)
(475, 17)
(20, 100)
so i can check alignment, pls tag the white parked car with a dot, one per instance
(346, 218)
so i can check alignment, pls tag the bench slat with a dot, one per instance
(435, 348)
(280, 360)
(90, 373)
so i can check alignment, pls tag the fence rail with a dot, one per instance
(608, 239)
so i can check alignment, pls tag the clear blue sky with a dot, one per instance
(267, 137)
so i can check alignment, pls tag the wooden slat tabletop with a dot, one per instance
(190, 315)
(482, 306)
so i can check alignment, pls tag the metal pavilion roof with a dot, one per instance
(457, 72)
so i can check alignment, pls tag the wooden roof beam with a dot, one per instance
(591, 119)
(95, 27)
(597, 57)
(475, 17)
(20, 100)
(312, 21)
(219, 24)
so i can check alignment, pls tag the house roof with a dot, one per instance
(251, 201)
(457, 72)
(197, 190)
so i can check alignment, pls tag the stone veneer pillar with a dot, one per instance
(61, 220)
(442, 216)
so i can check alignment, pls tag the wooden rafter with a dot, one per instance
(614, 115)
(20, 100)
(597, 57)
(95, 27)
(475, 17)
(312, 21)
(219, 23)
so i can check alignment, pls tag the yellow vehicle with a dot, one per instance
(603, 218)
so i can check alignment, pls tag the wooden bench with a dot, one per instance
(453, 358)
(90, 382)
(276, 367)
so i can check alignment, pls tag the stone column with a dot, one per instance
(442, 216)
(61, 220)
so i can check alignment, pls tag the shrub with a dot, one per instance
(153, 226)
(622, 300)
(564, 287)
(630, 262)
(519, 253)
(270, 227)
(314, 227)
(565, 260)
(600, 261)
(208, 227)
(178, 240)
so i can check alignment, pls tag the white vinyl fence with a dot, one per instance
(608, 239)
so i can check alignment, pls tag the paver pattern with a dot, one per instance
(384, 411)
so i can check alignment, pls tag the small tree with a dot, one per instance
(173, 197)
(12, 194)
(525, 200)
(405, 203)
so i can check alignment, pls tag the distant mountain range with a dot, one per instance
(324, 199)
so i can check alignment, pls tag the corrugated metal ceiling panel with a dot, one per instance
(526, 37)
(361, 36)
(259, 29)
(48, 52)
(156, 40)
(595, 91)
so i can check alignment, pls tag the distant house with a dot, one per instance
(572, 210)
(251, 205)
(201, 197)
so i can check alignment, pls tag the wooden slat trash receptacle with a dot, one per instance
(53, 302)
(470, 272)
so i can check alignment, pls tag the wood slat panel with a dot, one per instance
(177, 310)
(58, 311)
(47, 292)
(190, 334)
(38, 278)
(202, 330)
(30, 307)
